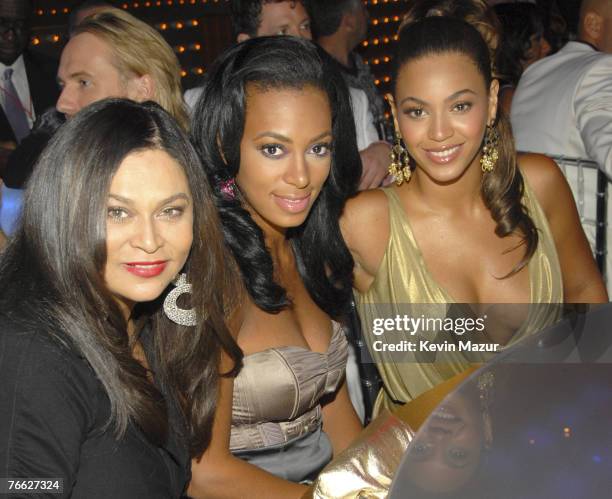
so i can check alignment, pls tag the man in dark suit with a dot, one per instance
(27, 88)
(32, 87)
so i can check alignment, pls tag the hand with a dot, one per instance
(375, 161)
(309, 493)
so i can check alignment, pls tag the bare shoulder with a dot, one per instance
(582, 282)
(365, 211)
(368, 201)
(235, 316)
(365, 228)
(545, 179)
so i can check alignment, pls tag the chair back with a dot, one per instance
(601, 220)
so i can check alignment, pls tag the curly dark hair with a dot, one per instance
(323, 260)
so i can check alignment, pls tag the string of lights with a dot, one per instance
(198, 30)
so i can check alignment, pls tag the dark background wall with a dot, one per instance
(199, 30)
(569, 9)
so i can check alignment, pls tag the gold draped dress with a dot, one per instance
(403, 279)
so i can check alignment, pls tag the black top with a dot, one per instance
(22, 160)
(52, 412)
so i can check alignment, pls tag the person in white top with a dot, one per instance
(563, 107)
(251, 18)
(339, 27)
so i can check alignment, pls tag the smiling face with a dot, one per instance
(442, 108)
(149, 227)
(285, 154)
(447, 450)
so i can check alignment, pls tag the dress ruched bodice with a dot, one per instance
(277, 392)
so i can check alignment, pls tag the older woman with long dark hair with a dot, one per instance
(108, 382)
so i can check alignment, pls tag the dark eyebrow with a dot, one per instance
(274, 135)
(449, 98)
(409, 98)
(175, 197)
(458, 93)
(323, 135)
(282, 138)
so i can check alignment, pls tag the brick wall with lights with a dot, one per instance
(377, 50)
(199, 30)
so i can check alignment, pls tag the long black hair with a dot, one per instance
(52, 270)
(501, 189)
(323, 260)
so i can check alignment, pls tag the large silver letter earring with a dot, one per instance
(172, 310)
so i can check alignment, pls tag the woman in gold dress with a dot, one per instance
(468, 222)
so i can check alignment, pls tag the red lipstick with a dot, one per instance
(146, 269)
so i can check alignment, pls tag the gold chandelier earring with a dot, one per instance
(490, 151)
(400, 161)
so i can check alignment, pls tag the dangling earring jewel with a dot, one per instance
(228, 188)
(490, 153)
(171, 309)
(400, 161)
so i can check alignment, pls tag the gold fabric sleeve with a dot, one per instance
(366, 468)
